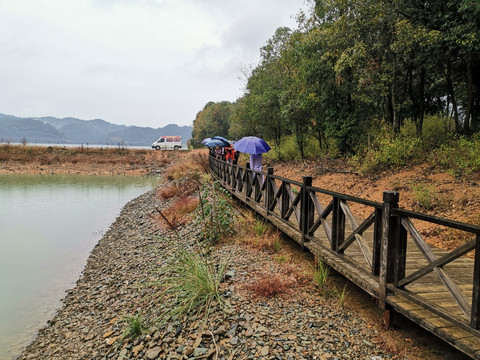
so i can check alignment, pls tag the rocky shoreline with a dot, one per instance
(120, 279)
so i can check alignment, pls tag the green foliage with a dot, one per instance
(424, 194)
(214, 213)
(341, 295)
(351, 63)
(277, 243)
(436, 131)
(260, 227)
(212, 120)
(320, 274)
(135, 326)
(286, 151)
(387, 151)
(462, 156)
(193, 284)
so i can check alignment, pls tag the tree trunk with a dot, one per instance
(421, 104)
(395, 122)
(468, 112)
(451, 92)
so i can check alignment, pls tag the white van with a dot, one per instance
(168, 143)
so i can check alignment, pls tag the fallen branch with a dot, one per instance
(172, 227)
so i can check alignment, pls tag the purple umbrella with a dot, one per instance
(205, 140)
(251, 145)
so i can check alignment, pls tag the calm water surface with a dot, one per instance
(48, 226)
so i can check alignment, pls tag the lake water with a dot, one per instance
(48, 226)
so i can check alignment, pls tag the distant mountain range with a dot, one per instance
(51, 130)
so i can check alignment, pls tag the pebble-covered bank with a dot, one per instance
(119, 280)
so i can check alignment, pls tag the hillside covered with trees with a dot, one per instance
(379, 82)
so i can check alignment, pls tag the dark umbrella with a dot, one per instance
(215, 142)
(251, 145)
(220, 137)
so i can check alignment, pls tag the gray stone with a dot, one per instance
(153, 353)
(199, 352)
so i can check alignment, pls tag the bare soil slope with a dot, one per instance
(421, 189)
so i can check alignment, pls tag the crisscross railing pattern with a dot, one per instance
(381, 242)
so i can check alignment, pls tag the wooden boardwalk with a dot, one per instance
(377, 247)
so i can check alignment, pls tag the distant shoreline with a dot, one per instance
(85, 145)
(86, 160)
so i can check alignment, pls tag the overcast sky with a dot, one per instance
(131, 62)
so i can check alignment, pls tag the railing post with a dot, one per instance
(475, 318)
(338, 225)
(285, 201)
(234, 175)
(269, 195)
(400, 251)
(377, 242)
(388, 256)
(258, 186)
(306, 208)
(248, 177)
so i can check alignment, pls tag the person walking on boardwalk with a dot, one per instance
(230, 154)
(218, 152)
(254, 146)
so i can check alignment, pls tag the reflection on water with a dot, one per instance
(48, 226)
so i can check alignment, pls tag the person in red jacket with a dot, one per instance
(230, 154)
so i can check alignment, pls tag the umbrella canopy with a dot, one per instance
(215, 142)
(205, 140)
(220, 137)
(252, 145)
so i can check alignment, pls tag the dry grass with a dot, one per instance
(200, 160)
(258, 235)
(51, 154)
(176, 213)
(181, 171)
(177, 189)
(269, 285)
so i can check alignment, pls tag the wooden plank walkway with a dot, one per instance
(440, 299)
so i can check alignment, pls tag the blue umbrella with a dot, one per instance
(205, 140)
(251, 145)
(215, 142)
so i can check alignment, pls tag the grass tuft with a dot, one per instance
(194, 285)
(320, 274)
(135, 326)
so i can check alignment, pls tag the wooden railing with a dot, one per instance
(376, 245)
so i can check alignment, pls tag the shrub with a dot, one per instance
(215, 213)
(424, 194)
(461, 156)
(288, 150)
(387, 152)
(436, 131)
